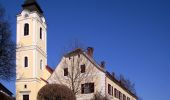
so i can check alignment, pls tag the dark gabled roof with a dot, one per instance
(32, 5)
(4, 89)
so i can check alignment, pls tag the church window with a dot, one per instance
(41, 33)
(26, 61)
(26, 29)
(25, 86)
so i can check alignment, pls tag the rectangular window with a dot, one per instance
(128, 98)
(115, 90)
(65, 71)
(124, 97)
(87, 88)
(26, 61)
(109, 89)
(83, 68)
(41, 33)
(116, 93)
(26, 29)
(25, 97)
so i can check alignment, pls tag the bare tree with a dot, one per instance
(78, 70)
(72, 45)
(127, 84)
(7, 49)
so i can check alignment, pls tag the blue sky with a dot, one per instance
(132, 36)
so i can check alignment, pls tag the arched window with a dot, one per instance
(26, 29)
(41, 33)
(26, 61)
(41, 64)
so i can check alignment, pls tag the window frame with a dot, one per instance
(41, 34)
(83, 68)
(26, 29)
(120, 95)
(128, 98)
(27, 95)
(109, 89)
(65, 71)
(87, 88)
(26, 62)
(124, 97)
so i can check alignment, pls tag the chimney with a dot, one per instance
(90, 51)
(103, 64)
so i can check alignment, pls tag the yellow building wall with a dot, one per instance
(34, 48)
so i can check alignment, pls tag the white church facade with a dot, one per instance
(77, 66)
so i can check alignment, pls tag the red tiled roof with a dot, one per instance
(49, 69)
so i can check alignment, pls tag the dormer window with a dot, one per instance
(41, 33)
(26, 29)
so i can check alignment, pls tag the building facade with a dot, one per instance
(89, 77)
(31, 53)
(78, 66)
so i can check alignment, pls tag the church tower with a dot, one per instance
(31, 54)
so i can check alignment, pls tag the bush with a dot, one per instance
(98, 96)
(55, 92)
